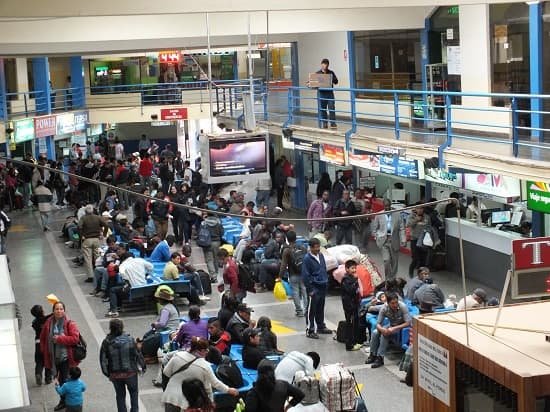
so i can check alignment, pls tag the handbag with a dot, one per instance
(80, 350)
(166, 379)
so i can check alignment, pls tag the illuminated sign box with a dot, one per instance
(538, 196)
(23, 130)
(172, 56)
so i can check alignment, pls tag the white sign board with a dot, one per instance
(433, 369)
(453, 60)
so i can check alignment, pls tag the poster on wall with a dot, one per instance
(80, 121)
(332, 154)
(65, 123)
(492, 184)
(23, 130)
(433, 369)
(44, 126)
(399, 166)
(364, 160)
(538, 196)
(443, 177)
(454, 65)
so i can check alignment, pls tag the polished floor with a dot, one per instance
(41, 264)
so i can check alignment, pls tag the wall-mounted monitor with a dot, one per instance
(235, 156)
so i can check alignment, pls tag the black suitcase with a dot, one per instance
(205, 281)
(439, 261)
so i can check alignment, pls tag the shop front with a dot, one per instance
(23, 138)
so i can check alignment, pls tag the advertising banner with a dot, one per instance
(80, 121)
(492, 184)
(23, 130)
(364, 160)
(65, 123)
(45, 126)
(332, 154)
(538, 196)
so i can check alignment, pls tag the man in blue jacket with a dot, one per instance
(315, 277)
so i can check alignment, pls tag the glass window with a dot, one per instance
(509, 25)
(389, 59)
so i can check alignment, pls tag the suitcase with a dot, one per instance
(337, 388)
(439, 261)
(205, 281)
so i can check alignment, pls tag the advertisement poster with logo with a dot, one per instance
(364, 160)
(45, 126)
(332, 154)
(80, 121)
(65, 123)
(444, 177)
(538, 196)
(399, 166)
(305, 146)
(492, 184)
(23, 130)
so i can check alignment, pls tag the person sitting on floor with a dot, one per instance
(161, 252)
(252, 355)
(429, 296)
(268, 340)
(477, 299)
(219, 338)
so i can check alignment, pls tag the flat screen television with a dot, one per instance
(501, 217)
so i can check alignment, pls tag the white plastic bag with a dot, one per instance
(427, 239)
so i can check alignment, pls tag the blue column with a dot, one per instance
(535, 66)
(300, 189)
(351, 60)
(3, 100)
(41, 74)
(77, 83)
(425, 59)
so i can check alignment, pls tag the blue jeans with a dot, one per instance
(299, 293)
(195, 280)
(327, 108)
(262, 198)
(101, 277)
(120, 388)
(315, 317)
(379, 343)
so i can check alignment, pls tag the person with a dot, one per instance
(324, 237)
(399, 318)
(214, 226)
(90, 230)
(338, 188)
(169, 316)
(230, 275)
(268, 339)
(72, 390)
(37, 324)
(315, 278)
(477, 299)
(263, 191)
(290, 264)
(270, 264)
(473, 211)
(417, 222)
(296, 361)
(160, 213)
(161, 252)
(319, 208)
(351, 299)
(239, 322)
(326, 97)
(194, 327)
(387, 230)
(454, 207)
(144, 145)
(119, 150)
(377, 302)
(279, 182)
(344, 207)
(229, 305)
(422, 273)
(197, 368)
(171, 271)
(252, 355)
(145, 170)
(58, 338)
(325, 184)
(270, 394)
(121, 361)
(429, 296)
(218, 337)
(43, 196)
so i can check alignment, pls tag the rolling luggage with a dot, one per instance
(205, 282)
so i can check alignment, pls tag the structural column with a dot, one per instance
(43, 104)
(77, 83)
(299, 199)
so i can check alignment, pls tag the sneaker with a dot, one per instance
(378, 362)
(48, 380)
(69, 243)
(99, 294)
(38, 379)
(105, 299)
(60, 406)
(300, 314)
(111, 314)
(312, 335)
(325, 331)
(370, 359)
(204, 297)
(355, 347)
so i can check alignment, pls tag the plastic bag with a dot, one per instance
(427, 239)
(288, 287)
(279, 291)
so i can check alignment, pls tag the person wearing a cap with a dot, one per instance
(239, 322)
(477, 299)
(90, 226)
(252, 355)
(327, 97)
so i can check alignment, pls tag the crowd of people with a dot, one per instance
(153, 209)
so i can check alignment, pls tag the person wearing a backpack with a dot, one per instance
(186, 366)
(291, 262)
(211, 226)
(351, 299)
(121, 361)
(5, 224)
(58, 339)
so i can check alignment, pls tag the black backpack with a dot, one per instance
(246, 281)
(298, 254)
(229, 373)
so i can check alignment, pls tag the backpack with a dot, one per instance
(204, 238)
(341, 332)
(298, 253)
(229, 373)
(311, 388)
(246, 281)
(196, 178)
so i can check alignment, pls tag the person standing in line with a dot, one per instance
(388, 230)
(326, 97)
(90, 230)
(121, 361)
(315, 278)
(58, 338)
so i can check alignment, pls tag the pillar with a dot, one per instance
(41, 75)
(425, 59)
(77, 83)
(475, 50)
(535, 66)
(299, 199)
(3, 105)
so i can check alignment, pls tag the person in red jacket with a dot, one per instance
(145, 170)
(58, 338)
(230, 275)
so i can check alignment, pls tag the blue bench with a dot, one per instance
(180, 287)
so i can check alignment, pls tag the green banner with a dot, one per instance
(538, 196)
